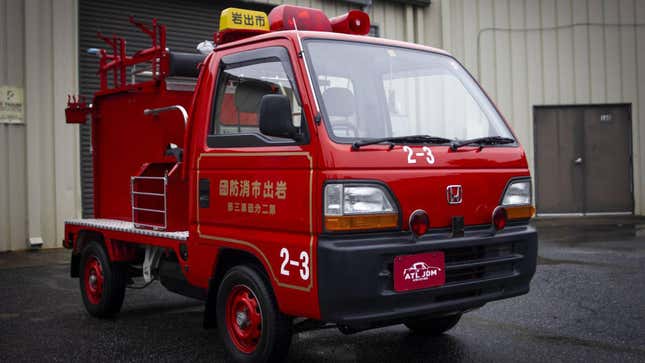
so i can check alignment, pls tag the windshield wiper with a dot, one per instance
(481, 141)
(412, 139)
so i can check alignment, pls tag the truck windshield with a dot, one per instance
(370, 91)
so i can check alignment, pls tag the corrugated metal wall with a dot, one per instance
(548, 52)
(13, 198)
(38, 160)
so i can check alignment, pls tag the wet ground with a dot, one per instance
(587, 303)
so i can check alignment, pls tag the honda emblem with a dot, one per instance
(454, 194)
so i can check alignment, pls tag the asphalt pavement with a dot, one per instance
(587, 304)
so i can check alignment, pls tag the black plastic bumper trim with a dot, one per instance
(355, 283)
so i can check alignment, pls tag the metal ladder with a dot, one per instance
(164, 196)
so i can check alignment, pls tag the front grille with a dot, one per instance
(473, 273)
(472, 253)
(479, 262)
(474, 263)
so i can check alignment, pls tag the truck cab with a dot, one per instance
(320, 176)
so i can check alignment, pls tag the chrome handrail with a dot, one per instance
(157, 111)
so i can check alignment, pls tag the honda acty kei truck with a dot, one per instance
(300, 174)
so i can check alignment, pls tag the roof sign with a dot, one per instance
(237, 23)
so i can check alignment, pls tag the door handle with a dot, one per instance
(578, 161)
(204, 193)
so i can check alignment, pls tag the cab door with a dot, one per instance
(255, 191)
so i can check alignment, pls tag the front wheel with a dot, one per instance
(102, 282)
(248, 319)
(432, 326)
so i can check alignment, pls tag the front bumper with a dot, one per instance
(355, 283)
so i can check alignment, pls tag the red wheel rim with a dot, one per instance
(93, 276)
(243, 318)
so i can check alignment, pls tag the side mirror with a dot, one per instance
(275, 117)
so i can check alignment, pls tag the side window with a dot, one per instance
(239, 92)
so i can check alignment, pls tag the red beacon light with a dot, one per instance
(282, 18)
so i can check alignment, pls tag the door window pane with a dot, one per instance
(240, 91)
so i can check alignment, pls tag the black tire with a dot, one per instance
(432, 326)
(275, 328)
(108, 302)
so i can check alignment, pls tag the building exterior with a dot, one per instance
(569, 75)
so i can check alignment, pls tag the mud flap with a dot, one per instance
(210, 319)
(74, 265)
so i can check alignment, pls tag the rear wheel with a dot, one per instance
(248, 319)
(432, 326)
(102, 282)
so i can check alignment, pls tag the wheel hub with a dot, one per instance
(93, 276)
(93, 279)
(243, 318)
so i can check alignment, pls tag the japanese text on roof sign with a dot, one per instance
(248, 19)
(242, 19)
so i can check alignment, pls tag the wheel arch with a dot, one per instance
(226, 259)
(84, 237)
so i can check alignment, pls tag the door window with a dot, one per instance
(240, 88)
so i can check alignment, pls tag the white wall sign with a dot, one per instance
(12, 106)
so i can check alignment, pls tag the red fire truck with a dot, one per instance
(300, 174)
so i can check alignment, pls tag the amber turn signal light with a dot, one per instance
(361, 222)
(520, 212)
(501, 215)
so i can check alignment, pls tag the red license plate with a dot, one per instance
(413, 272)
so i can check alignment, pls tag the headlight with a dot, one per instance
(516, 202)
(518, 193)
(351, 207)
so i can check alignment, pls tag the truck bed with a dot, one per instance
(115, 225)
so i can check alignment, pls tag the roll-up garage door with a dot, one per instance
(188, 23)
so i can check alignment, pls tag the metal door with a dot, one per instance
(607, 164)
(559, 180)
(583, 159)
